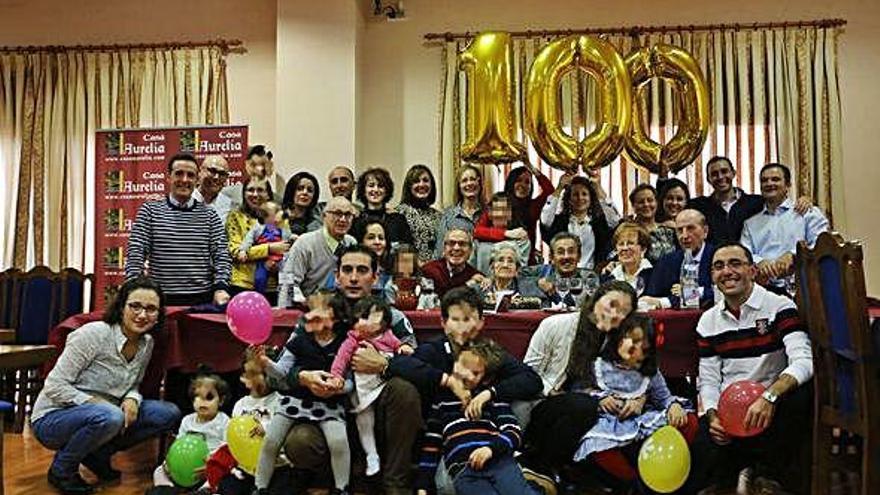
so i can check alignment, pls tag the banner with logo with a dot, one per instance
(131, 168)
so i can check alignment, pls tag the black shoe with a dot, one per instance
(73, 485)
(103, 470)
(542, 483)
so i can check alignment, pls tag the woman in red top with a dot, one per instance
(527, 210)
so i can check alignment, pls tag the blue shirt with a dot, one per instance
(770, 235)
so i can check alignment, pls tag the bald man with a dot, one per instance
(664, 288)
(212, 178)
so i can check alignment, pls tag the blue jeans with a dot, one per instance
(502, 476)
(93, 432)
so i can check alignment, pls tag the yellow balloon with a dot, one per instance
(665, 460)
(243, 444)
(490, 130)
(679, 67)
(543, 119)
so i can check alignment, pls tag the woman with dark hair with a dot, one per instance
(673, 195)
(90, 407)
(562, 351)
(468, 205)
(239, 222)
(301, 194)
(376, 240)
(374, 190)
(663, 239)
(527, 210)
(416, 200)
(583, 215)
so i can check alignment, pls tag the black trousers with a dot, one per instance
(782, 451)
(555, 430)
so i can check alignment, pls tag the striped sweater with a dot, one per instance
(450, 434)
(184, 246)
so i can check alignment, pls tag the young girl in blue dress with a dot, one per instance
(634, 400)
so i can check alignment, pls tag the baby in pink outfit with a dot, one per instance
(372, 317)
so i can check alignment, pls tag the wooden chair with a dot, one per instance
(833, 303)
(4, 407)
(75, 286)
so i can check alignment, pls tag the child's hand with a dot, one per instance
(242, 256)
(632, 407)
(405, 349)
(457, 388)
(475, 408)
(260, 356)
(676, 415)
(479, 457)
(336, 383)
(610, 405)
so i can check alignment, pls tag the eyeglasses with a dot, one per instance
(217, 172)
(138, 308)
(456, 243)
(341, 214)
(340, 180)
(734, 264)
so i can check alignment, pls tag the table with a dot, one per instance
(13, 357)
(21, 362)
(191, 339)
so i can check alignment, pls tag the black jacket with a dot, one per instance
(723, 226)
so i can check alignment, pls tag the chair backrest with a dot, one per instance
(8, 297)
(36, 313)
(833, 302)
(75, 285)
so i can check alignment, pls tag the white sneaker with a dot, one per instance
(373, 464)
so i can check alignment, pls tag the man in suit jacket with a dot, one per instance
(664, 289)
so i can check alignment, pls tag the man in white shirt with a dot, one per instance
(755, 335)
(212, 178)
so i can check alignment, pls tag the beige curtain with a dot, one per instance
(774, 97)
(51, 104)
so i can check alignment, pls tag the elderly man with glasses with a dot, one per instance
(312, 259)
(212, 178)
(453, 269)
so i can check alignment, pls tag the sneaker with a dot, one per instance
(373, 465)
(541, 482)
(73, 485)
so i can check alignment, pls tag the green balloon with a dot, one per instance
(187, 454)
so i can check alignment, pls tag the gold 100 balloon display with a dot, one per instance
(490, 128)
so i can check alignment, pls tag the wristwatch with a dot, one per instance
(769, 396)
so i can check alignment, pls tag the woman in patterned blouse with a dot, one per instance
(418, 196)
(663, 240)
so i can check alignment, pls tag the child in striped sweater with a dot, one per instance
(477, 452)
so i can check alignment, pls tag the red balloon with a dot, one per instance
(249, 317)
(734, 404)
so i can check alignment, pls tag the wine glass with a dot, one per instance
(562, 287)
(640, 286)
(576, 286)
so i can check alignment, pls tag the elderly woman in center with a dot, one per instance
(504, 265)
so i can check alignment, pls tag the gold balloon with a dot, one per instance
(677, 66)
(490, 116)
(543, 119)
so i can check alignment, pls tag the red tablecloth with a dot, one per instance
(192, 339)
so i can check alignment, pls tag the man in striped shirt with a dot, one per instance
(180, 243)
(754, 335)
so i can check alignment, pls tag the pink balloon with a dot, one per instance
(734, 404)
(249, 317)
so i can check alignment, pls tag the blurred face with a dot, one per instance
(305, 192)
(141, 311)
(213, 174)
(256, 193)
(258, 166)
(405, 265)
(374, 238)
(337, 218)
(504, 265)
(721, 176)
(457, 247)
(773, 186)
(355, 275)
(565, 256)
(632, 348)
(522, 187)
(580, 199)
(612, 307)
(500, 213)
(421, 188)
(674, 201)
(375, 192)
(469, 184)
(206, 402)
(470, 369)
(253, 379)
(341, 182)
(462, 324)
(370, 325)
(645, 204)
(182, 179)
(629, 251)
(690, 229)
(319, 318)
(270, 214)
(732, 273)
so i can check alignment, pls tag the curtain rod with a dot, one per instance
(226, 46)
(636, 30)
